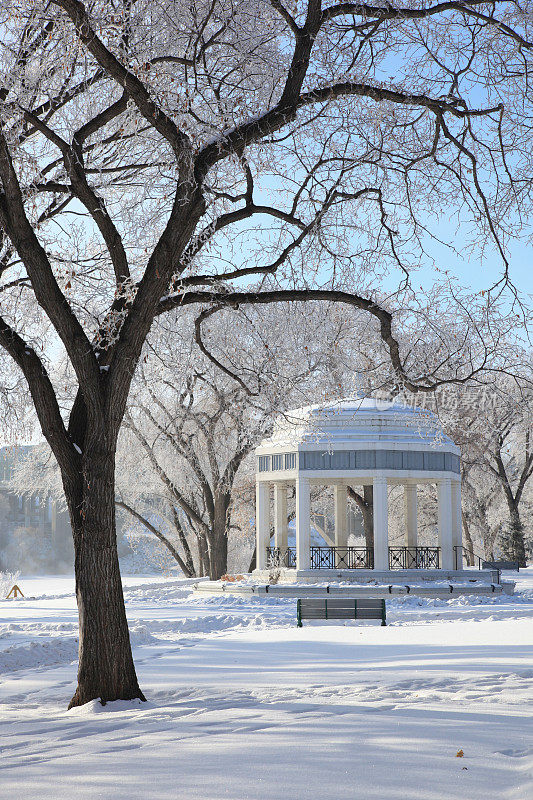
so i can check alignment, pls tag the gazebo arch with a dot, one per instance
(357, 442)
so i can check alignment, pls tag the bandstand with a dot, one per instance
(354, 443)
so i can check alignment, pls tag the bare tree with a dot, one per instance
(491, 422)
(510, 460)
(195, 443)
(134, 135)
(193, 426)
(481, 514)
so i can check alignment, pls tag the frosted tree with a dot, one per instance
(491, 422)
(190, 426)
(158, 155)
(509, 459)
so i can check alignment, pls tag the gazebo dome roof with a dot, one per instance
(365, 421)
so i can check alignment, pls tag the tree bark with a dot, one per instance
(218, 539)
(218, 558)
(203, 554)
(106, 669)
(184, 543)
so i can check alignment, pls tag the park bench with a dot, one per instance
(340, 608)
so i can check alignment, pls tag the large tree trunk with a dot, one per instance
(218, 558)
(218, 540)
(203, 554)
(106, 670)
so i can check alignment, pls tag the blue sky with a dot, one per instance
(473, 271)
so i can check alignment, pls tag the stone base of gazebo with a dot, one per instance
(375, 577)
(437, 584)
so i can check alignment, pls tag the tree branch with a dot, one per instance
(388, 12)
(162, 538)
(285, 111)
(134, 87)
(43, 395)
(219, 301)
(47, 292)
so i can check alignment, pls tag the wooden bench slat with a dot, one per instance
(345, 614)
(367, 615)
(335, 603)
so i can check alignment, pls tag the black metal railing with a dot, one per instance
(468, 554)
(356, 557)
(281, 557)
(323, 557)
(414, 557)
(342, 558)
(472, 559)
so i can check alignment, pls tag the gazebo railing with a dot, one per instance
(414, 557)
(323, 557)
(461, 552)
(356, 557)
(281, 557)
(342, 558)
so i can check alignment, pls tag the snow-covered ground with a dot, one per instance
(244, 705)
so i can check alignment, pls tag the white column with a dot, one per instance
(410, 502)
(381, 523)
(262, 522)
(303, 515)
(340, 496)
(457, 524)
(281, 530)
(444, 487)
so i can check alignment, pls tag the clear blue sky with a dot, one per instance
(471, 269)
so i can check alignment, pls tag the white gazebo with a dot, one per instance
(357, 442)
